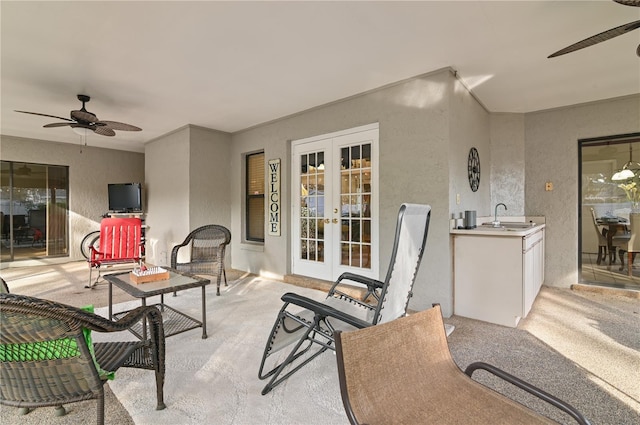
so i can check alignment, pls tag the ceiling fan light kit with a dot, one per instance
(81, 131)
(82, 121)
(605, 35)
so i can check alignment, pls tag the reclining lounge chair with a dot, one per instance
(304, 327)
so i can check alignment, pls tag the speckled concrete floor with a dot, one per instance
(581, 345)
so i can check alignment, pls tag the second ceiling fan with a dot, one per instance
(603, 36)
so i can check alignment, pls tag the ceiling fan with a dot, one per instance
(606, 35)
(83, 120)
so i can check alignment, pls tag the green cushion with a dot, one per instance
(61, 348)
(87, 336)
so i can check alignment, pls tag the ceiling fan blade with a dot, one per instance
(84, 116)
(44, 115)
(598, 38)
(58, 124)
(119, 126)
(104, 131)
(635, 3)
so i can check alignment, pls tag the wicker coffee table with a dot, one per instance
(174, 321)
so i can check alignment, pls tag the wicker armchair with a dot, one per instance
(208, 244)
(46, 358)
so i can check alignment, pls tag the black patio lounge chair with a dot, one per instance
(303, 323)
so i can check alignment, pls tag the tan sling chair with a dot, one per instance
(402, 372)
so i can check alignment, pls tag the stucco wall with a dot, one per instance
(551, 155)
(167, 177)
(507, 165)
(415, 121)
(188, 174)
(209, 171)
(469, 123)
(91, 169)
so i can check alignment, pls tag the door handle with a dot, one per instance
(335, 221)
(327, 221)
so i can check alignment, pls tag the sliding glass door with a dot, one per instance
(33, 210)
(609, 193)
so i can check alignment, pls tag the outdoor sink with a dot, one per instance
(509, 225)
(490, 227)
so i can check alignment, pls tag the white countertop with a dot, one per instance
(488, 230)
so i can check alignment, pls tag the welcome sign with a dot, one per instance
(274, 197)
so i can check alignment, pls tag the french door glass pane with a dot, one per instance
(355, 202)
(312, 206)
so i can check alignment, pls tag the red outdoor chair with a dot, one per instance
(120, 243)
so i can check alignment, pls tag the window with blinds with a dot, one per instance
(254, 207)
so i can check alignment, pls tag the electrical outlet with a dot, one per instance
(548, 186)
(458, 199)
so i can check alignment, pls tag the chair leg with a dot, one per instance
(600, 250)
(295, 353)
(89, 286)
(93, 283)
(612, 254)
(60, 411)
(621, 256)
(224, 273)
(630, 259)
(276, 379)
(100, 407)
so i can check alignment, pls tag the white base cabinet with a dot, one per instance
(497, 277)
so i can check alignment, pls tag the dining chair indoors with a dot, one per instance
(630, 243)
(602, 239)
(206, 246)
(618, 241)
(416, 381)
(304, 328)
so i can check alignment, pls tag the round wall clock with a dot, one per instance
(473, 167)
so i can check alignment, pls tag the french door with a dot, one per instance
(335, 204)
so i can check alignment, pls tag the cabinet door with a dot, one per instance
(529, 282)
(533, 269)
(484, 288)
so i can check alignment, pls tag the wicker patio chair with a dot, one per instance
(46, 357)
(304, 323)
(417, 382)
(207, 244)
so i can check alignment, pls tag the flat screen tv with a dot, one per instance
(125, 197)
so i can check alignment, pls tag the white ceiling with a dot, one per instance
(233, 65)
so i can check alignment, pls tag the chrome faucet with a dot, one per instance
(496, 223)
